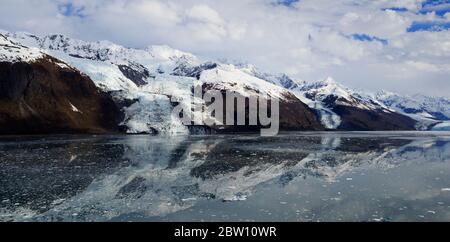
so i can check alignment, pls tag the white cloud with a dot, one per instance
(384, 24)
(310, 40)
(204, 13)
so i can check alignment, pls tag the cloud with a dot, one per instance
(204, 13)
(399, 45)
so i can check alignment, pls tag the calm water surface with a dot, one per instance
(401, 176)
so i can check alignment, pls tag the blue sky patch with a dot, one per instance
(368, 38)
(440, 7)
(396, 9)
(428, 3)
(286, 2)
(429, 26)
(68, 9)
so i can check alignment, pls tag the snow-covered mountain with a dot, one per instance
(125, 72)
(337, 106)
(42, 94)
(331, 93)
(147, 83)
(11, 51)
(431, 112)
(340, 107)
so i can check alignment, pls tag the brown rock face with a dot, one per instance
(48, 97)
(355, 119)
(297, 116)
(294, 115)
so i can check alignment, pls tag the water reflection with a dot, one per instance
(292, 177)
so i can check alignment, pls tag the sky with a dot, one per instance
(397, 45)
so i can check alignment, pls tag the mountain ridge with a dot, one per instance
(144, 82)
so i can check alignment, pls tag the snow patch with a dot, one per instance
(75, 109)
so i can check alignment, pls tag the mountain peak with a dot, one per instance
(165, 52)
(384, 94)
(328, 86)
(10, 51)
(330, 81)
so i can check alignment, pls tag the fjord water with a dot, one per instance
(382, 176)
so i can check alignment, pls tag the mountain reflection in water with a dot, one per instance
(293, 177)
